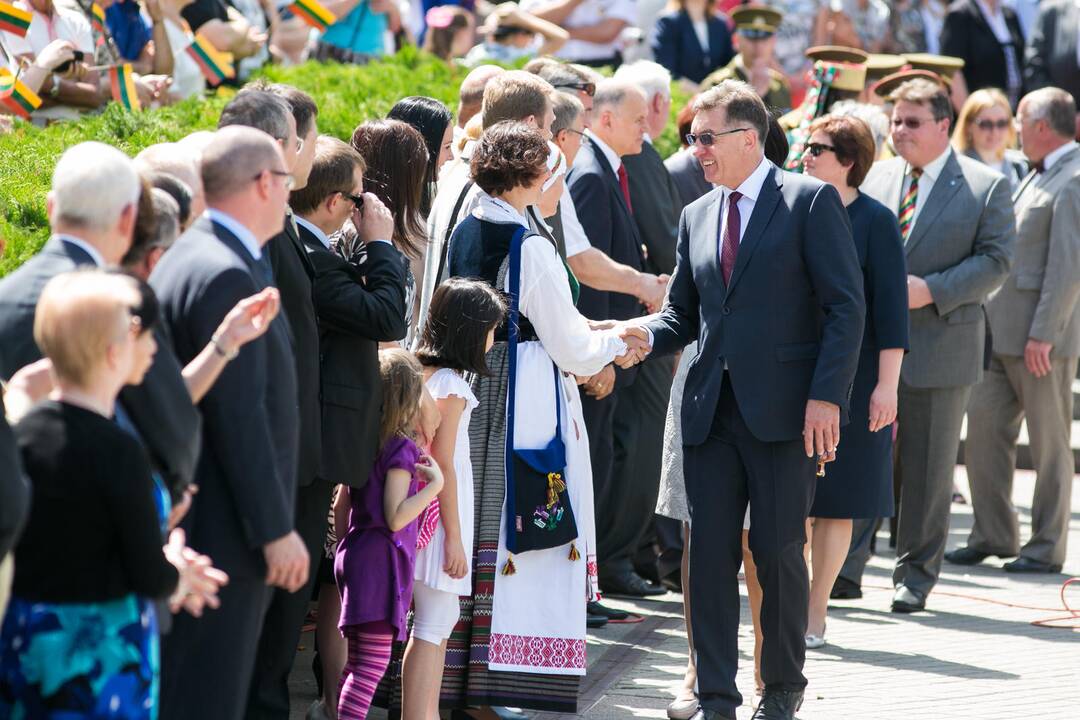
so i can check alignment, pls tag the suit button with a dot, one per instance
(727, 310)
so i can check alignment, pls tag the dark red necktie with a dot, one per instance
(624, 183)
(730, 249)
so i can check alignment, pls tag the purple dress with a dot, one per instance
(374, 566)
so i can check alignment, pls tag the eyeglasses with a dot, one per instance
(357, 200)
(708, 137)
(911, 123)
(816, 149)
(290, 181)
(988, 125)
(576, 132)
(588, 88)
(299, 144)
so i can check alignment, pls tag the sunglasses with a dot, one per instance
(816, 149)
(588, 88)
(988, 125)
(911, 123)
(357, 200)
(708, 137)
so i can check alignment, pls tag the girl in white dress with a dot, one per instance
(460, 329)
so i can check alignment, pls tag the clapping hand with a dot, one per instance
(637, 346)
(199, 579)
(249, 319)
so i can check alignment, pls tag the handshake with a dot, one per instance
(637, 346)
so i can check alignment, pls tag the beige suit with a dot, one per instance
(1038, 301)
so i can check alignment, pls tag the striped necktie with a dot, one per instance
(906, 215)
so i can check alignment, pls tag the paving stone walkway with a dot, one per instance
(974, 655)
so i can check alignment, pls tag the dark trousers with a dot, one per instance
(207, 662)
(641, 411)
(729, 469)
(599, 419)
(669, 538)
(269, 695)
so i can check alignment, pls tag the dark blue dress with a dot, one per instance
(859, 483)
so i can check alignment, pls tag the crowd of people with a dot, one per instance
(455, 377)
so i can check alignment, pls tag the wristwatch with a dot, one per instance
(54, 89)
(220, 349)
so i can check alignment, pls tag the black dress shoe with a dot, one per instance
(905, 600)
(844, 589)
(594, 622)
(672, 582)
(1027, 565)
(608, 613)
(704, 714)
(778, 705)
(965, 556)
(630, 584)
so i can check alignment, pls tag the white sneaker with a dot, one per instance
(682, 708)
(813, 642)
(317, 711)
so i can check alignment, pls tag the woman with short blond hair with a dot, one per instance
(985, 131)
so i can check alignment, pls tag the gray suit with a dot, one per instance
(961, 246)
(1051, 56)
(1038, 301)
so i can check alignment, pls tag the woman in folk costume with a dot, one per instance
(521, 637)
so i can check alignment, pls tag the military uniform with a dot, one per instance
(778, 96)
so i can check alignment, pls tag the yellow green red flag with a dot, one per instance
(15, 96)
(214, 64)
(14, 20)
(313, 13)
(123, 86)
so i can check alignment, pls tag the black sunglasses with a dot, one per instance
(588, 88)
(816, 149)
(988, 125)
(708, 137)
(911, 123)
(357, 200)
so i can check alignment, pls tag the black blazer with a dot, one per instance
(657, 206)
(160, 407)
(609, 226)
(1051, 56)
(294, 275)
(247, 468)
(358, 307)
(676, 46)
(967, 35)
(790, 323)
(14, 488)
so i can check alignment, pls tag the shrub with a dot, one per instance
(347, 95)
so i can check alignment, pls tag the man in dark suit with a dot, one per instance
(96, 229)
(357, 307)
(243, 517)
(293, 275)
(1052, 54)
(768, 281)
(599, 185)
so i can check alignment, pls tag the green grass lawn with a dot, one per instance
(347, 96)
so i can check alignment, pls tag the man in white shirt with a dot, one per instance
(594, 25)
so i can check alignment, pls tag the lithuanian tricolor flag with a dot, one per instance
(123, 86)
(15, 96)
(14, 20)
(215, 65)
(313, 13)
(97, 23)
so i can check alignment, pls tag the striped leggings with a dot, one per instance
(369, 655)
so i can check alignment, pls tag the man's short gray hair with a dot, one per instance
(653, 78)
(234, 158)
(740, 103)
(92, 184)
(1055, 106)
(611, 93)
(258, 109)
(567, 109)
(872, 115)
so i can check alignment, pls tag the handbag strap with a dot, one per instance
(511, 400)
(445, 252)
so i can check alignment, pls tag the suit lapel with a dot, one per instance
(945, 187)
(712, 237)
(893, 181)
(293, 232)
(609, 175)
(759, 219)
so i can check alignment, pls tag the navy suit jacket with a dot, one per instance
(789, 325)
(358, 307)
(675, 46)
(247, 468)
(160, 407)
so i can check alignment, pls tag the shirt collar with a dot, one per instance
(986, 9)
(86, 247)
(245, 236)
(313, 230)
(750, 188)
(1055, 155)
(933, 168)
(612, 157)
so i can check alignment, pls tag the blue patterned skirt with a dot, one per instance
(94, 661)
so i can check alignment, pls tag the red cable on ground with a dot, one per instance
(1050, 622)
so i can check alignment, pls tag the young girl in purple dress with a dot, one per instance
(377, 555)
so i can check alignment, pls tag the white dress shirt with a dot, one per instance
(86, 247)
(1053, 156)
(751, 190)
(245, 236)
(929, 176)
(314, 230)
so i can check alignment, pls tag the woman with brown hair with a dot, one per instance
(450, 32)
(396, 160)
(985, 132)
(859, 484)
(691, 40)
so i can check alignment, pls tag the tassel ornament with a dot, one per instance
(508, 567)
(574, 554)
